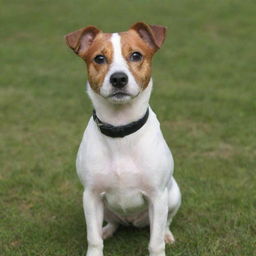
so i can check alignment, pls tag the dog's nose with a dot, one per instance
(119, 79)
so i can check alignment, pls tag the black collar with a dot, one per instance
(120, 131)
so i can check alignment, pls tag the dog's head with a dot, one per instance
(118, 64)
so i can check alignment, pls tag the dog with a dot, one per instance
(123, 161)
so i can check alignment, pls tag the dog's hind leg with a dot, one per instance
(174, 201)
(112, 223)
(108, 230)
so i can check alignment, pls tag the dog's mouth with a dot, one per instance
(119, 95)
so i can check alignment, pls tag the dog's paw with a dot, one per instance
(93, 251)
(109, 230)
(169, 238)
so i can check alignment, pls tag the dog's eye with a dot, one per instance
(136, 56)
(100, 59)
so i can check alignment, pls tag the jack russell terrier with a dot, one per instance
(123, 161)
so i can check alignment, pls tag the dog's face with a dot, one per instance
(118, 64)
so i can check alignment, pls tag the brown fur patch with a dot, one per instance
(97, 72)
(141, 70)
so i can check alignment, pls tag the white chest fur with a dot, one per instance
(126, 169)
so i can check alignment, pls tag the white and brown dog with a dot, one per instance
(123, 161)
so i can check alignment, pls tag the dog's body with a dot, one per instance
(127, 180)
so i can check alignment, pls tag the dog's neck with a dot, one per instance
(121, 114)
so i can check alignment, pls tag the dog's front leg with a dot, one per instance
(93, 210)
(158, 211)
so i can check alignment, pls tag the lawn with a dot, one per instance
(204, 95)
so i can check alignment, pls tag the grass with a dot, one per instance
(205, 99)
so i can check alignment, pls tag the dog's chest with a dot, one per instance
(124, 170)
(119, 172)
(124, 186)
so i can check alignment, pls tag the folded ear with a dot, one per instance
(80, 40)
(153, 35)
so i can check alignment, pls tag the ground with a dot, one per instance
(204, 95)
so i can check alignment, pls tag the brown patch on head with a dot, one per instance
(145, 39)
(97, 72)
(141, 70)
(88, 43)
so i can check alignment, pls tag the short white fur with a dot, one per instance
(126, 180)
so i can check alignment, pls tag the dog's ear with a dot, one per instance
(153, 35)
(80, 40)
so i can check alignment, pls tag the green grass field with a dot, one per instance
(204, 95)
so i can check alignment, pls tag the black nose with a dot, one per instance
(119, 79)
